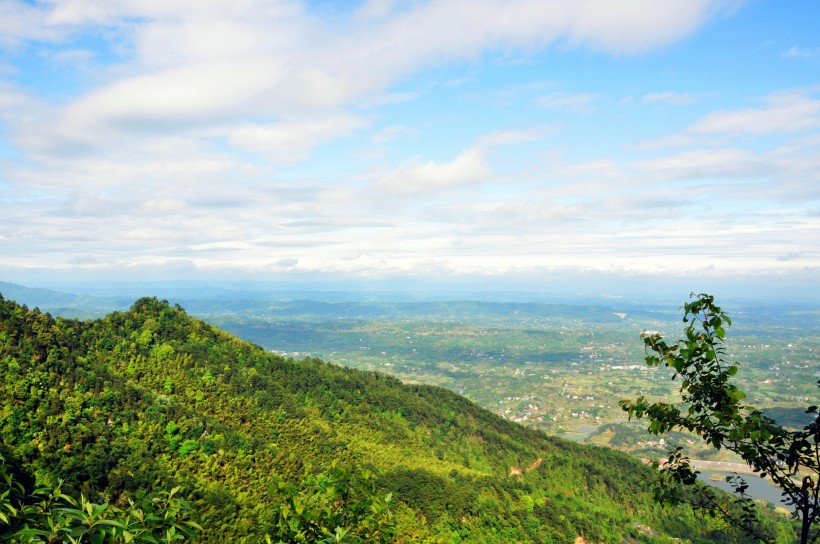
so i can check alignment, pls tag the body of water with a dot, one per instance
(759, 488)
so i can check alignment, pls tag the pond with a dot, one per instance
(758, 487)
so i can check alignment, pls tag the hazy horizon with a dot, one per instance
(636, 292)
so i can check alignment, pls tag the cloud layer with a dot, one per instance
(395, 138)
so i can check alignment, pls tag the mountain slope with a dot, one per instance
(152, 398)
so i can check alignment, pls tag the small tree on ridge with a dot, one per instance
(712, 409)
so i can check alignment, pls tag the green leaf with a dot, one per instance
(711, 355)
(736, 394)
(31, 532)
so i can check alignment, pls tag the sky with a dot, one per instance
(515, 143)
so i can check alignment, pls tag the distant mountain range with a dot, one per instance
(60, 303)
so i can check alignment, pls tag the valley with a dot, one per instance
(560, 368)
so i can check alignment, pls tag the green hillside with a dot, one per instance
(150, 398)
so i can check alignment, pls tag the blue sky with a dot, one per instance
(518, 142)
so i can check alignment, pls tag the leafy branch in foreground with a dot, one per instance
(712, 409)
(47, 515)
(335, 506)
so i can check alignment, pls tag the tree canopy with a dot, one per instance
(712, 408)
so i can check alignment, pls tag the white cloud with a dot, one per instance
(468, 167)
(387, 99)
(670, 98)
(450, 83)
(204, 61)
(80, 58)
(224, 246)
(375, 9)
(21, 21)
(11, 99)
(157, 206)
(186, 95)
(784, 112)
(291, 140)
(643, 24)
(413, 176)
(628, 27)
(706, 163)
(803, 53)
(388, 134)
(631, 26)
(514, 137)
(575, 103)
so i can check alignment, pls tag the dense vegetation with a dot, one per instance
(46, 515)
(149, 399)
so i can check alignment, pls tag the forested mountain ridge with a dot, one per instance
(151, 398)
